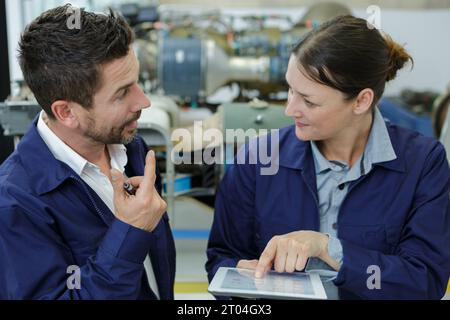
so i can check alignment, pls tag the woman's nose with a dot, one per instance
(293, 109)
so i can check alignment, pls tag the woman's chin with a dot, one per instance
(302, 134)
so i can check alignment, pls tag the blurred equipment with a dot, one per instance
(440, 111)
(195, 69)
(6, 142)
(412, 110)
(248, 118)
(139, 14)
(445, 135)
(190, 56)
(219, 137)
(154, 127)
(419, 102)
(5, 89)
(16, 116)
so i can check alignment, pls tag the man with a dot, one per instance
(68, 229)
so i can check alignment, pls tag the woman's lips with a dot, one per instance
(300, 124)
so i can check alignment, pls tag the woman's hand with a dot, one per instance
(247, 264)
(290, 252)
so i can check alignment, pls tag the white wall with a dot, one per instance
(426, 34)
(14, 21)
(397, 4)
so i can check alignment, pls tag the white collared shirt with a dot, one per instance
(91, 174)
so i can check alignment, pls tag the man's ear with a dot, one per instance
(64, 113)
(363, 101)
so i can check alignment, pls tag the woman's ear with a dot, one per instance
(64, 113)
(364, 101)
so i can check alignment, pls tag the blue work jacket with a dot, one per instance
(396, 218)
(58, 240)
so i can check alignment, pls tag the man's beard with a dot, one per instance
(116, 135)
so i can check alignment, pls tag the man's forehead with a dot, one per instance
(121, 67)
(118, 73)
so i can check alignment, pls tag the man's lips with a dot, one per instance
(132, 125)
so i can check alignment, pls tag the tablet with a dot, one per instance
(242, 283)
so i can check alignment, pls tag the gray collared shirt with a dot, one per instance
(334, 177)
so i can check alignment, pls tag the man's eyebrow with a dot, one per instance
(123, 88)
(129, 85)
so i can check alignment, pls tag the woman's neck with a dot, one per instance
(350, 144)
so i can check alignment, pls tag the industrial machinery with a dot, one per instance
(190, 56)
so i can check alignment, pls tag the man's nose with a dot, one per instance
(142, 101)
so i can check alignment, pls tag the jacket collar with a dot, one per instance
(398, 164)
(45, 171)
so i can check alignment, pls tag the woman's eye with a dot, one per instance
(309, 104)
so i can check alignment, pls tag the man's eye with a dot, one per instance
(124, 94)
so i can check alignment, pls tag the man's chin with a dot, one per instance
(129, 136)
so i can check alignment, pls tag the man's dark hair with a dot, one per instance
(63, 63)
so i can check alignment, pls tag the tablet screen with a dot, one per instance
(242, 283)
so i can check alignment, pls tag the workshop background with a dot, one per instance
(225, 66)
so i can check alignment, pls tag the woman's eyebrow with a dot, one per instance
(300, 93)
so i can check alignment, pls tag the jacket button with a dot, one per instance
(334, 226)
(341, 186)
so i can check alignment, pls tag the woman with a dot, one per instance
(353, 193)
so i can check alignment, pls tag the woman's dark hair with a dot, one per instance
(62, 62)
(349, 55)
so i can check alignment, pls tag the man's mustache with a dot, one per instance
(138, 116)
